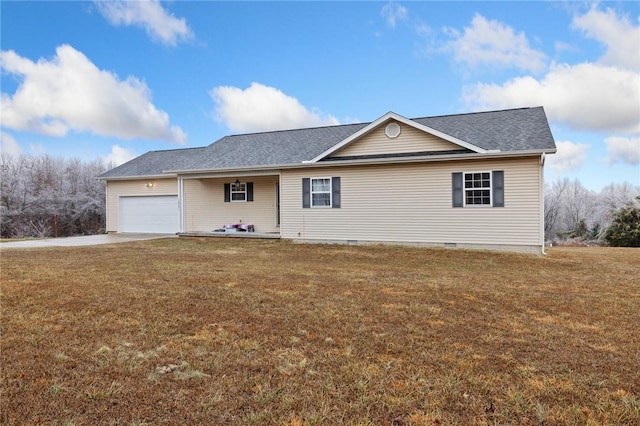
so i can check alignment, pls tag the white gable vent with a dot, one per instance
(392, 130)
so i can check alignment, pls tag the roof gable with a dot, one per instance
(384, 141)
(393, 117)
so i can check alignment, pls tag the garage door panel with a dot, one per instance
(153, 214)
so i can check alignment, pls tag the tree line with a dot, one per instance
(573, 212)
(43, 196)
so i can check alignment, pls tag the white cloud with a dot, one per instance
(148, 14)
(119, 155)
(584, 96)
(263, 108)
(623, 150)
(620, 37)
(569, 156)
(492, 43)
(69, 93)
(602, 96)
(393, 13)
(8, 145)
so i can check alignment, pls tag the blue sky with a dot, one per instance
(117, 79)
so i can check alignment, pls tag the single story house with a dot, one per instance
(465, 180)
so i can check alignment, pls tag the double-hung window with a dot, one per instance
(478, 189)
(321, 192)
(239, 191)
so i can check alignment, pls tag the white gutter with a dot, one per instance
(273, 169)
(247, 171)
(138, 177)
(228, 173)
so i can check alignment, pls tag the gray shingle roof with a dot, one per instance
(275, 148)
(154, 163)
(522, 129)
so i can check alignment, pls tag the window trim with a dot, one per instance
(232, 191)
(330, 192)
(464, 189)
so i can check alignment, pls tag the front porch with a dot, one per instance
(249, 202)
(255, 235)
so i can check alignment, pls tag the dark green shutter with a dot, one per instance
(457, 190)
(335, 192)
(306, 193)
(249, 191)
(497, 183)
(227, 192)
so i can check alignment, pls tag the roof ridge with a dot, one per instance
(176, 149)
(475, 112)
(298, 128)
(366, 123)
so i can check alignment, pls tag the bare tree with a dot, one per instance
(571, 210)
(553, 205)
(46, 196)
(579, 205)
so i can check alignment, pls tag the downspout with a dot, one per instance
(542, 160)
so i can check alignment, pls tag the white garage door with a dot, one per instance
(158, 214)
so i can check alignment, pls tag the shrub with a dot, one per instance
(624, 230)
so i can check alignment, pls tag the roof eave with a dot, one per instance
(433, 158)
(408, 159)
(137, 177)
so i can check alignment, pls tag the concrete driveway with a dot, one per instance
(85, 240)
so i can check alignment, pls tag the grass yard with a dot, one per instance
(248, 332)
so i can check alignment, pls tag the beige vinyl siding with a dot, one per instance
(410, 140)
(123, 188)
(413, 203)
(205, 209)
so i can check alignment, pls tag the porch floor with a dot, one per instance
(257, 235)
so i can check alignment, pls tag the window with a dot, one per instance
(321, 192)
(239, 191)
(478, 189)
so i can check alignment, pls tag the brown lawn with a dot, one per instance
(220, 331)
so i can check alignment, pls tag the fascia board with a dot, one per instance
(427, 159)
(275, 169)
(162, 176)
(255, 169)
(401, 119)
(229, 173)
